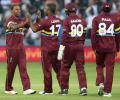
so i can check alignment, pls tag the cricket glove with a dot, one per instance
(60, 52)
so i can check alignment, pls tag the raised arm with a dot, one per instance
(35, 27)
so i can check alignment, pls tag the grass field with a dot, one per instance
(36, 76)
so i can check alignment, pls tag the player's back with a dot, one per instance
(117, 30)
(14, 38)
(105, 25)
(49, 33)
(74, 30)
(117, 17)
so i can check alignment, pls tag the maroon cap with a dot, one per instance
(70, 7)
(107, 7)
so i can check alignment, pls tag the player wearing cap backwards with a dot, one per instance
(49, 28)
(73, 47)
(105, 46)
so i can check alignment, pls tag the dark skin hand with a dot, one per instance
(38, 20)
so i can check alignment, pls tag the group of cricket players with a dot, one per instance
(62, 43)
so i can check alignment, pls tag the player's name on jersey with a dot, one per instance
(106, 19)
(55, 21)
(75, 21)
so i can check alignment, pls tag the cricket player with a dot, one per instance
(117, 30)
(16, 52)
(49, 27)
(73, 48)
(105, 46)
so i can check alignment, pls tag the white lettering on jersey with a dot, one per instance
(106, 19)
(76, 21)
(55, 21)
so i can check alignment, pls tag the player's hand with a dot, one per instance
(95, 52)
(60, 52)
(13, 27)
(28, 19)
(38, 16)
(116, 54)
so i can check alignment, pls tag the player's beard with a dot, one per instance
(17, 14)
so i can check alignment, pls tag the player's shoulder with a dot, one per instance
(44, 21)
(53, 18)
(97, 17)
(57, 17)
(81, 18)
(10, 18)
(116, 15)
(69, 18)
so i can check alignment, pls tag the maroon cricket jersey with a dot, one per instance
(117, 17)
(103, 36)
(49, 28)
(14, 39)
(118, 29)
(73, 30)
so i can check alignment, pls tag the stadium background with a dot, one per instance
(87, 9)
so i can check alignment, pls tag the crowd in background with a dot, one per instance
(87, 9)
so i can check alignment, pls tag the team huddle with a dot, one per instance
(62, 43)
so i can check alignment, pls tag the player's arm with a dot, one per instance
(117, 34)
(61, 47)
(13, 26)
(38, 20)
(85, 29)
(36, 26)
(117, 39)
(117, 25)
(93, 34)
